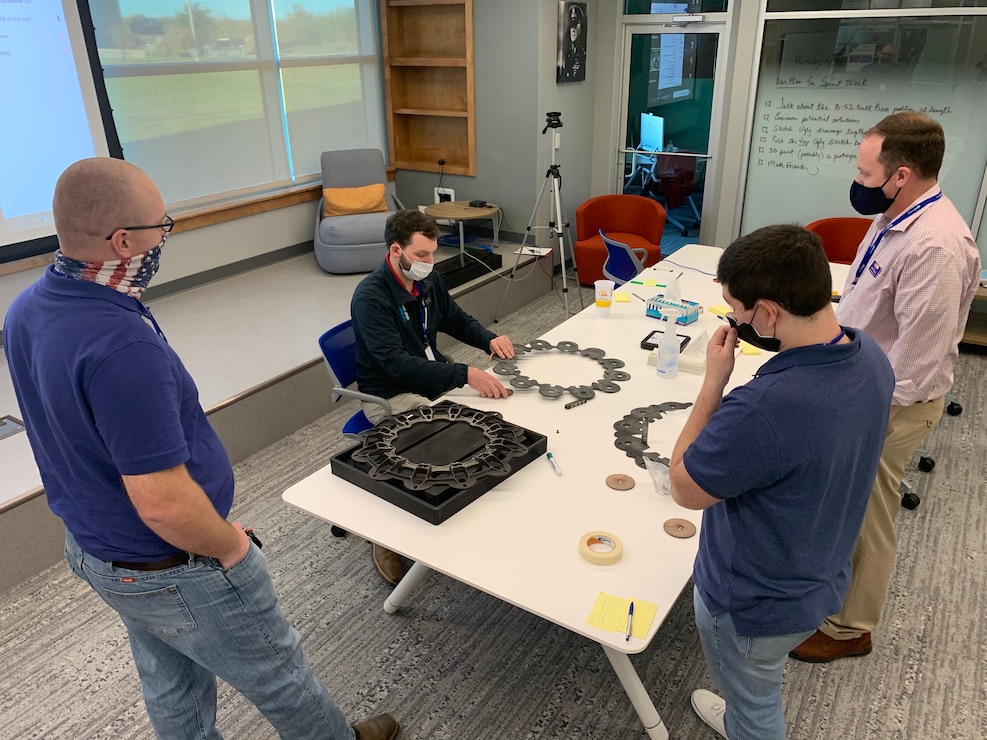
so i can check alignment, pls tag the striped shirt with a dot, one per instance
(914, 296)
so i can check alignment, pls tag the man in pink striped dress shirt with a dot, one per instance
(910, 287)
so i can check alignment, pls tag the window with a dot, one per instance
(223, 97)
(647, 7)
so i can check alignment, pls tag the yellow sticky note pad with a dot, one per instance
(747, 349)
(610, 613)
(622, 297)
(719, 310)
(650, 282)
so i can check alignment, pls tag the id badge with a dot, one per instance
(429, 353)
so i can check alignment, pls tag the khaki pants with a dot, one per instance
(399, 404)
(873, 555)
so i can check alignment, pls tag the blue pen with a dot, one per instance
(630, 617)
(555, 465)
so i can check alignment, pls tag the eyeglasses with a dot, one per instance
(166, 225)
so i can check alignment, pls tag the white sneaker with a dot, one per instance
(710, 709)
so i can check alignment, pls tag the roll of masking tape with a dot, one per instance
(600, 548)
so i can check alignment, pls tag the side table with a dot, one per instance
(462, 211)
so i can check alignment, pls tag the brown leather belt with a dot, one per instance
(173, 562)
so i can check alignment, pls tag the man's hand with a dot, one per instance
(501, 347)
(240, 551)
(721, 356)
(177, 510)
(485, 384)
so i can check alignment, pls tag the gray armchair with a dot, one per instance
(355, 242)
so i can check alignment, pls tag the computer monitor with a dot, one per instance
(652, 132)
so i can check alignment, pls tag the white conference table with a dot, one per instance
(520, 541)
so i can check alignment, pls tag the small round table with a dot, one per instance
(462, 211)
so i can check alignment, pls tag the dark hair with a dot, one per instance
(783, 263)
(911, 139)
(403, 225)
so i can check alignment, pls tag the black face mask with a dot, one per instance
(870, 201)
(747, 333)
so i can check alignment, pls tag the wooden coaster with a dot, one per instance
(681, 528)
(620, 482)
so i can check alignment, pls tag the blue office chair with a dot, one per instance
(339, 350)
(622, 264)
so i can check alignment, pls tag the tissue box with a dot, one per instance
(688, 310)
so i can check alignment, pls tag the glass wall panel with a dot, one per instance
(669, 113)
(823, 82)
(780, 6)
(646, 7)
(671, 76)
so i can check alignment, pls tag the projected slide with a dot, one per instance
(672, 68)
(46, 125)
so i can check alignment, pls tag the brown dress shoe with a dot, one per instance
(388, 564)
(381, 727)
(821, 648)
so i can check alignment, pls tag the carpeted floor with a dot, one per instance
(456, 663)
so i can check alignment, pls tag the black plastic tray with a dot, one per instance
(439, 502)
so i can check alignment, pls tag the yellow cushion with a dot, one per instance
(347, 201)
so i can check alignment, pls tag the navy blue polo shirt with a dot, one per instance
(104, 395)
(793, 454)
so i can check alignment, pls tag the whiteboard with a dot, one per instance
(811, 112)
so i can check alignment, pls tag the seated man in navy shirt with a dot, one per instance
(782, 467)
(397, 312)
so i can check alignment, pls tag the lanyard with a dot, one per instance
(873, 247)
(424, 316)
(146, 313)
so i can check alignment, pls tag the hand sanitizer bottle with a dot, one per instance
(668, 347)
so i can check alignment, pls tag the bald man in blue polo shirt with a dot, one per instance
(133, 468)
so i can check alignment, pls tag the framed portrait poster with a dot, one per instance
(571, 64)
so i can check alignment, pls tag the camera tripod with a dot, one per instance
(556, 219)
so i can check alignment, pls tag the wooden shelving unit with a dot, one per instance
(429, 85)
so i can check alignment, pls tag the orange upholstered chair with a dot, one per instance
(840, 236)
(635, 220)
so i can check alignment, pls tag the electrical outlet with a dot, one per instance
(444, 195)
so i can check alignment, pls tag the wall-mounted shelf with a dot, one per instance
(429, 84)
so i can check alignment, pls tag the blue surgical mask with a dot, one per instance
(870, 201)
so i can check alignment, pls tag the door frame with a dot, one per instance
(709, 23)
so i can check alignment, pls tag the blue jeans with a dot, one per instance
(197, 621)
(747, 673)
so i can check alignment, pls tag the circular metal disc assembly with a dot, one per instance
(607, 384)
(631, 431)
(620, 482)
(681, 528)
(379, 449)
